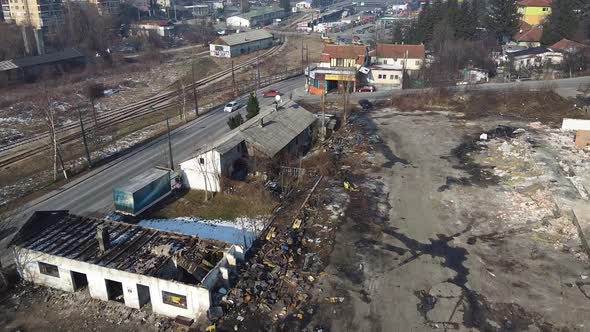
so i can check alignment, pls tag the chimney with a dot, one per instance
(102, 235)
(261, 122)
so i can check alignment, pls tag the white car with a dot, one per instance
(232, 106)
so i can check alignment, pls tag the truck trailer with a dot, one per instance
(142, 191)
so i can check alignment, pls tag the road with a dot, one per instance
(562, 86)
(91, 193)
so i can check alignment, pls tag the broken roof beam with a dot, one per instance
(92, 253)
(136, 238)
(42, 240)
(132, 259)
(115, 249)
(66, 241)
(88, 242)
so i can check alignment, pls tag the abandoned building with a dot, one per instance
(30, 68)
(281, 134)
(240, 43)
(172, 273)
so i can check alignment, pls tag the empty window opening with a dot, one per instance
(114, 290)
(174, 299)
(80, 280)
(48, 269)
(143, 292)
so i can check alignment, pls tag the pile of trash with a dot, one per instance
(510, 153)
(278, 280)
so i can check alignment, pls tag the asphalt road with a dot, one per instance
(91, 193)
(561, 86)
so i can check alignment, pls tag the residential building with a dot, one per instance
(534, 57)
(35, 13)
(386, 75)
(570, 46)
(410, 57)
(302, 6)
(162, 28)
(6, 10)
(240, 43)
(257, 17)
(337, 68)
(279, 135)
(528, 35)
(175, 273)
(534, 11)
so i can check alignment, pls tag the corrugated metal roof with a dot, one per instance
(133, 248)
(141, 180)
(67, 54)
(7, 65)
(280, 128)
(260, 12)
(243, 37)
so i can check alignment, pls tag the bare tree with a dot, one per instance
(47, 112)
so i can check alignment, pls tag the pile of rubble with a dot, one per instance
(510, 152)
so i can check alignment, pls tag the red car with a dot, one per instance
(271, 93)
(367, 89)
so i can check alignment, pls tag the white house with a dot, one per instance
(410, 57)
(303, 5)
(534, 57)
(116, 261)
(253, 18)
(240, 43)
(272, 134)
(386, 75)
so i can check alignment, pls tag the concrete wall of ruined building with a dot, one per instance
(197, 297)
(220, 273)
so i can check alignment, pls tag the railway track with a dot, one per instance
(131, 111)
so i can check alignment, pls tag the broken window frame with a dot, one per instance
(169, 298)
(48, 269)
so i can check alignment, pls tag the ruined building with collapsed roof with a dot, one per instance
(173, 272)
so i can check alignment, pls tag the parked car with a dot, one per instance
(271, 93)
(367, 89)
(231, 106)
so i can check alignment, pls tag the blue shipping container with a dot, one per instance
(142, 191)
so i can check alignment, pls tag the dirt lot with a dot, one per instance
(439, 240)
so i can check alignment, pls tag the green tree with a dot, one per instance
(563, 22)
(503, 18)
(253, 107)
(286, 5)
(235, 121)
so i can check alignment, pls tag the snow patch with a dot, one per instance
(241, 231)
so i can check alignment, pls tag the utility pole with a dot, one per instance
(169, 144)
(94, 117)
(84, 139)
(233, 79)
(302, 53)
(257, 70)
(195, 91)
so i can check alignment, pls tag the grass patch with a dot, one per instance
(251, 203)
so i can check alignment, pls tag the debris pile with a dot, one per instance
(277, 282)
